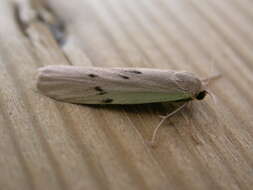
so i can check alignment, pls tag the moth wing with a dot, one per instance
(93, 85)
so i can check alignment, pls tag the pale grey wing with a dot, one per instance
(93, 85)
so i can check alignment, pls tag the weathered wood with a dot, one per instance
(53, 145)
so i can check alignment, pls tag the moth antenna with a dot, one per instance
(152, 142)
(213, 97)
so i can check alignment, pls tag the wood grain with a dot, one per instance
(47, 144)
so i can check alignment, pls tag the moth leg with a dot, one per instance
(162, 116)
(195, 137)
(186, 119)
(213, 97)
(189, 106)
(152, 142)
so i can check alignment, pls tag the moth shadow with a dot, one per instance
(157, 108)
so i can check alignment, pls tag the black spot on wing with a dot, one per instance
(107, 100)
(123, 76)
(100, 90)
(134, 71)
(92, 75)
(97, 88)
(102, 93)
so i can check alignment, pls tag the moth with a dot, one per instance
(96, 85)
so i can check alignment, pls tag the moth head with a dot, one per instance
(205, 83)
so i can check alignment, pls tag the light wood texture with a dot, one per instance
(46, 144)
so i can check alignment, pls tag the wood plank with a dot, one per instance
(46, 144)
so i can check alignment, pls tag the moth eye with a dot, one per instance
(201, 95)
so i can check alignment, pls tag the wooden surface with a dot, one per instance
(46, 144)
